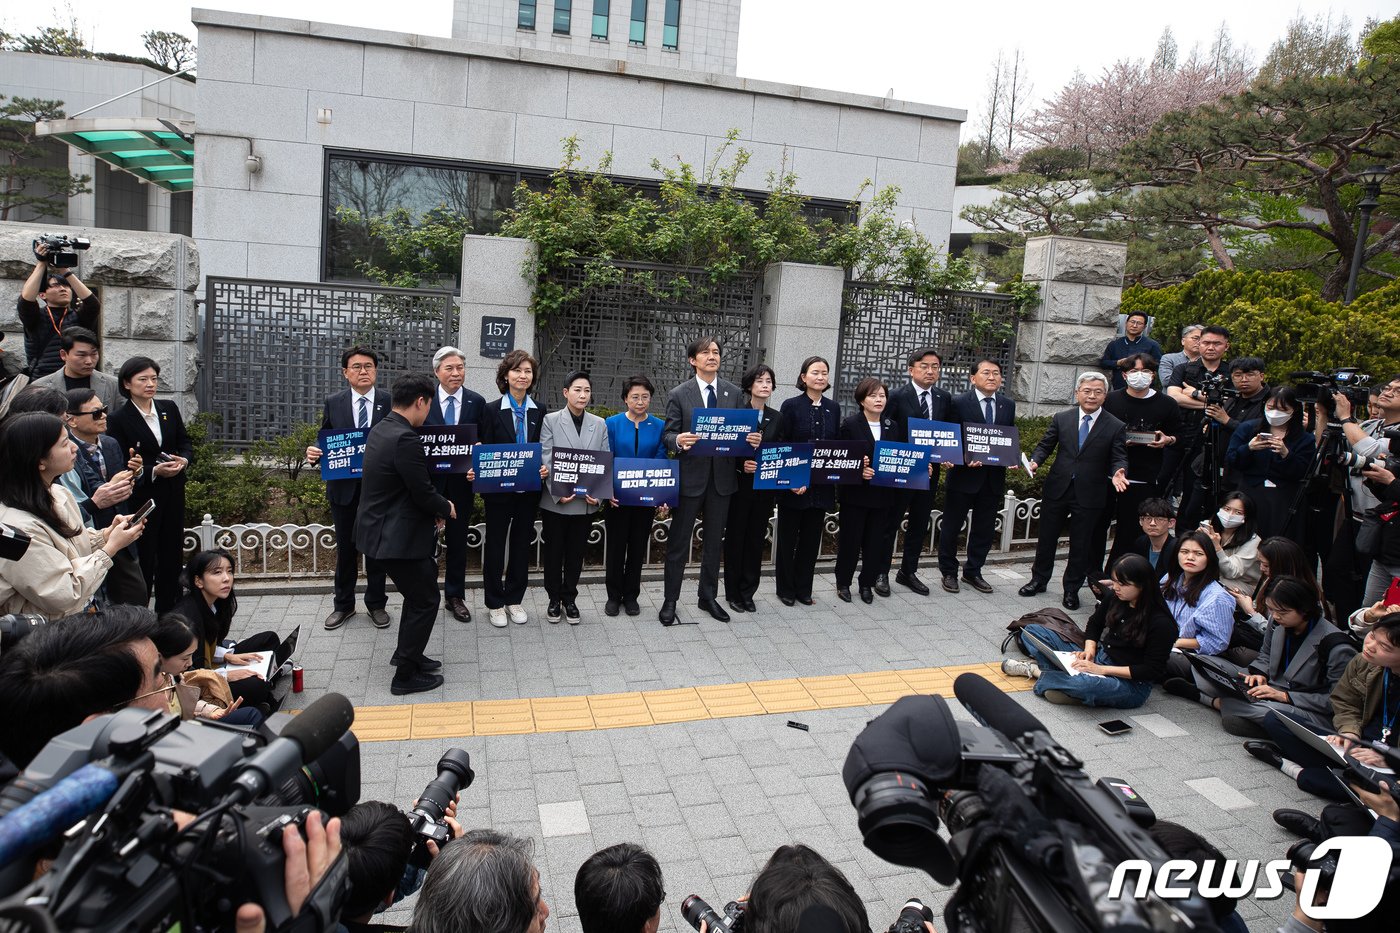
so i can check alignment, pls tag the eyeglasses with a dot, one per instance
(97, 414)
(361, 367)
(1154, 520)
(169, 686)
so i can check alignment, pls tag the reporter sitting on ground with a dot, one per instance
(482, 883)
(1232, 530)
(794, 879)
(1188, 845)
(66, 563)
(1278, 557)
(72, 669)
(1127, 642)
(1157, 543)
(208, 607)
(379, 841)
(199, 693)
(619, 890)
(1203, 609)
(1302, 658)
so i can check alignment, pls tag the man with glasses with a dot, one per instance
(108, 477)
(920, 397)
(358, 406)
(80, 355)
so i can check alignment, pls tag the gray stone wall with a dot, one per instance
(1081, 287)
(147, 285)
(493, 285)
(801, 318)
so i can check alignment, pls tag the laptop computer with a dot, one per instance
(1227, 683)
(1061, 659)
(1325, 748)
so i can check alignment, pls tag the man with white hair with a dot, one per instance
(1092, 453)
(453, 403)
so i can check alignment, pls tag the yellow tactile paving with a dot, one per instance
(657, 707)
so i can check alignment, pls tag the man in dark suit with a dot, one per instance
(1092, 452)
(398, 510)
(706, 482)
(79, 352)
(920, 397)
(455, 404)
(973, 486)
(359, 405)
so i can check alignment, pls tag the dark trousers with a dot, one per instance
(1122, 509)
(416, 580)
(1053, 516)
(1316, 777)
(716, 509)
(347, 562)
(920, 506)
(984, 504)
(744, 540)
(565, 537)
(629, 534)
(510, 529)
(254, 690)
(454, 577)
(162, 545)
(863, 534)
(125, 583)
(795, 552)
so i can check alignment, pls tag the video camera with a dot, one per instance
(1312, 386)
(1214, 387)
(13, 542)
(62, 249)
(1034, 842)
(16, 625)
(110, 789)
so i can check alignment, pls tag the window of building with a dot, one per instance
(121, 199)
(638, 33)
(182, 212)
(671, 30)
(563, 14)
(526, 18)
(600, 20)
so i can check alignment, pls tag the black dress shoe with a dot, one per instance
(844, 593)
(424, 663)
(1031, 588)
(458, 607)
(737, 605)
(715, 610)
(1266, 752)
(787, 600)
(882, 585)
(749, 604)
(667, 615)
(912, 581)
(978, 584)
(1181, 687)
(809, 601)
(1070, 600)
(867, 595)
(417, 683)
(1299, 823)
(950, 583)
(630, 606)
(554, 612)
(612, 607)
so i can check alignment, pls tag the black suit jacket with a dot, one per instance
(338, 414)
(855, 428)
(1083, 473)
(697, 471)
(904, 404)
(398, 504)
(128, 428)
(498, 425)
(967, 410)
(473, 407)
(768, 427)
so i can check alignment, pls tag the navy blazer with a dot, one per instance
(768, 427)
(855, 428)
(967, 410)
(904, 404)
(338, 414)
(498, 427)
(114, 459)
(796, 424)
(456, 485)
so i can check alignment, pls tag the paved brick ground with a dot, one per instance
(712, 799)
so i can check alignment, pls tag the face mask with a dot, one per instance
(1139, 379)
(1277, 418)
(1229, 519)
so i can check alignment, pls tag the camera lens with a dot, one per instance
(454, 773)
(695, 910)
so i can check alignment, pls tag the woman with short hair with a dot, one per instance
(750, 510)
(568, 519)
(637, 434)
(866, 510)
(810, 416)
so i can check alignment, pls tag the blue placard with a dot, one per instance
(992, 444)
(578, 472)
(342, 453)
(724, 432)
(943, 439)
(783, 466)
(507, 467)
(903, 466)
(839, 463)
(644, 482)
(448, 447)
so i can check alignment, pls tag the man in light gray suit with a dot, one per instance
(706, 482)
(79, 353)
(566, 519)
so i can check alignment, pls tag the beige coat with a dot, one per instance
(57, 576)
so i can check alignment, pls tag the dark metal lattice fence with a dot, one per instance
(272, 349)
(623, 330)
(880, 324)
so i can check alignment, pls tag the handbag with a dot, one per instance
(1368, 536)
(1053, 618)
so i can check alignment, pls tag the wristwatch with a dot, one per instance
(1349, 420)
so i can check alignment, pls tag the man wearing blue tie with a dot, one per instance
(455, 404)
(359, 406)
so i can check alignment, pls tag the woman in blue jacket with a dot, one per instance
(1272, 458)
(631, 433)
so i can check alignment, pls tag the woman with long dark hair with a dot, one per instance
(65, 564)
(1203, 609)
(178, 645)
(1272, 457)
(1278, 557)
(750, 510)
(1232, 529)
(1127, 642)
(810, 416)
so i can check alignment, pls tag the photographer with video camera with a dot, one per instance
(1194, 386)
(55, 283)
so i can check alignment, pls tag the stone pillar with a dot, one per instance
(494, 284)
(801, 318)
(82, 208)
(1081, 287)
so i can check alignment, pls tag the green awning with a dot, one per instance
(154, 150)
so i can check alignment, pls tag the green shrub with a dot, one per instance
(270, 482)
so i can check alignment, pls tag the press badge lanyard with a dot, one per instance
(1387, 714)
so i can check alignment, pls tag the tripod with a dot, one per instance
(1201, 497)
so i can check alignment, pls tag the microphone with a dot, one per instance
(37, 821)
(307, 737)
(995, 709)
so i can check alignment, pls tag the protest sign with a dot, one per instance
(943, 439)
(448, 447)
(838, 463)
(574, 471)
(903, 466)
(342, 453)
(783, 466)
(639, 481)
(992, 444)
(507, 467)
(724, 432)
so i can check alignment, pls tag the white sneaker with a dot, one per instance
(517, 614)
(498, 618)
(1015, 667)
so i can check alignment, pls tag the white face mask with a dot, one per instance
(1229, 519)
(1138, 379)
(1277, 418)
